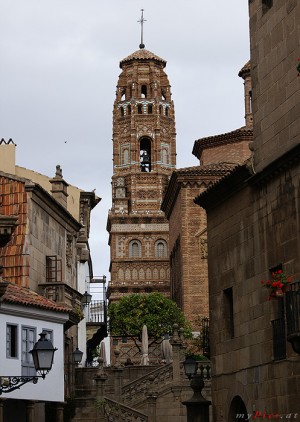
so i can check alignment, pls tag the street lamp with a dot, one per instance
(77, 356)
(190, 367)
(42, 355)
(197, 407)
(86, 298)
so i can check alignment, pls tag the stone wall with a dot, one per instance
(274, 52)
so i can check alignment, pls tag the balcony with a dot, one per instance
(96, 312)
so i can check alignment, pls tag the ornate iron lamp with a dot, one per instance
(77, 356)
(86, 298)
(190, 367)
(42, 355)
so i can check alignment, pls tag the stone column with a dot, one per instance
(176, 346)
(197, 407)
(30, 411)
(151, 405)
(59, 412)
(100, 379)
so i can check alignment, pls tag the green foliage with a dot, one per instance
(158, 313)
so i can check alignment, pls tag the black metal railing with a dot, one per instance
(292, 304)
(279, 340)
(97, 312)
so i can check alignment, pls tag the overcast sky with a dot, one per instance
(59, 70)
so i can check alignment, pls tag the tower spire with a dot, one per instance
(141, 21)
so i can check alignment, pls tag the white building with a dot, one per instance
(23, 315)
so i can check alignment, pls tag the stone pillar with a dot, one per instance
(151, 405)
(100, 379)
(59, 412)
(197, 407)
(176, 346)
(30, 411)
(117, 376)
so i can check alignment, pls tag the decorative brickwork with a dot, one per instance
(144, 152)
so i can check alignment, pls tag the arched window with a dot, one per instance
(145, 154)
(144, 91)
(140, 109)
(161, 249)
(122, 111)
(135, 249)
(237, 407)
(129, 110)
(167, 111)
(123, 95)
(163, 97)
(150, 109)
(160, 109)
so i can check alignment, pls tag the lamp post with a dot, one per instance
(197, 407)
(42, 355)
(77, 356)
(86, 298)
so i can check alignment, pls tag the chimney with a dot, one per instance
(59, 187)
(8, 156)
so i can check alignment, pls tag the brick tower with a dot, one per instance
(144, 156)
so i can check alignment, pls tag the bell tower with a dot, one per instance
(144, 156)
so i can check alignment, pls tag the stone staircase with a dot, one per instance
(112, 395)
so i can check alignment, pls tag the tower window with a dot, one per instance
(145, 155)
(149, 109)
(144, 91)
(135, 249)
(129, 110)
(160, 109)
(123, 95)
(140, 109)
(163, 96)
(167, 111)
(122, 111)
(160, 249)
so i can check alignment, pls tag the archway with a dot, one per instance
(237, 410)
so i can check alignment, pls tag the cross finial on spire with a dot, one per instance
(141, 21)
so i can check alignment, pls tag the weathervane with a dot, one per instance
(141, 21)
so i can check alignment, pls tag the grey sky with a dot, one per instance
(59, 69)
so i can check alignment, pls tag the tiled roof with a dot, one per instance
(209, 169)
(238, 135)
(11, 293)
(245, 70)
(142, 54)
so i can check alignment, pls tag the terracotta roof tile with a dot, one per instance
(142, 54)
(11, 293)
(238, 135)
(209, 169)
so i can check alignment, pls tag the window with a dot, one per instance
(125, 156)
(140, 109)
(135, 249)
(167, 111)
(160, 109)
(145, 154)
(149, 109)
(11, 341)
(129, 110)
(122, 111)
(161, 249)
(266, 5)
(53, 269)
(27, 342)
(228, 311)
(144, 91)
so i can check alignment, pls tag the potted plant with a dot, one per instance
(278, 284)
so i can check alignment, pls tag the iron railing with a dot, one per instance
(292, 304)
(97, 312)
(279, 341)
